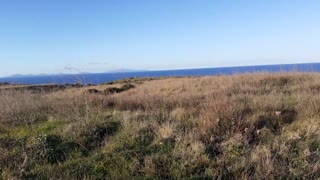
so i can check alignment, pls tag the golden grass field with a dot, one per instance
(249, 126)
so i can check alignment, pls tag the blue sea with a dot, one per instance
(98, 78)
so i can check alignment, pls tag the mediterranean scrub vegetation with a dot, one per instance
(250, 126)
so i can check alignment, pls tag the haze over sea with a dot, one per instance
(98, 78)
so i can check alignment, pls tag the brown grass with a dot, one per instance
(249, 126)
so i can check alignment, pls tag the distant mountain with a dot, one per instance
(85, 73)
(43, 74)
(62, 74)
(29, 75)
(21, 75)
(125, 70)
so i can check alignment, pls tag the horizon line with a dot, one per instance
(155, 70)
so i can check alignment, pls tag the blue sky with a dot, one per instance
(70, 36)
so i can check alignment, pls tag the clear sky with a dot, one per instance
(67, 36)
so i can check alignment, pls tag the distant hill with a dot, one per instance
(125, 70)
(29, 75)
(21, 75)
(62, 74)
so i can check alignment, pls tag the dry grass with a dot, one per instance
(249, 126)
